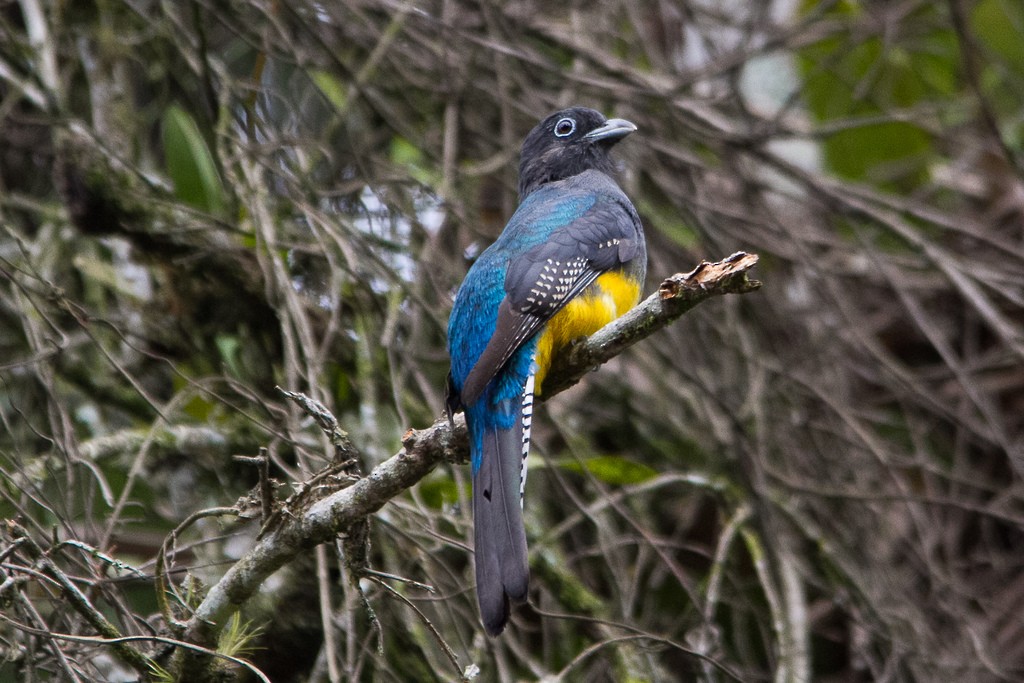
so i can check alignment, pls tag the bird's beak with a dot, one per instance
(613, 129)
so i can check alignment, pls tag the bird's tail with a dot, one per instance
(502, 569)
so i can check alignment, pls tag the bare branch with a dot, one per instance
(130, 655)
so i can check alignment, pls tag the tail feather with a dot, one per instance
(527, 425)
(502, 569)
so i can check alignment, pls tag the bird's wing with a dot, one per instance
(540, 282)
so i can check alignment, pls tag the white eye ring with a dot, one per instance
(565, 127)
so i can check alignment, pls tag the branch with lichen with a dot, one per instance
(320, 519)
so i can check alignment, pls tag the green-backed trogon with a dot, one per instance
(571, 259)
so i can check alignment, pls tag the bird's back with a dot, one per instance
(552, 207)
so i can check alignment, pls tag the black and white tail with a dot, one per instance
(527, 422)
(502, 570)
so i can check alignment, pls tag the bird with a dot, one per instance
(571, 259)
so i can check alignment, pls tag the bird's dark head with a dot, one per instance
(567, 143)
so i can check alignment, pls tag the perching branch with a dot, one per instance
(320, 520)
(676, 295)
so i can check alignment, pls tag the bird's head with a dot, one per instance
(567, 143)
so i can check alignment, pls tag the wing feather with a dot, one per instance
(540, 282)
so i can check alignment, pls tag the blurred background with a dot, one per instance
(820, 480)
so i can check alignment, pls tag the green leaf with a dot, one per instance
(437, 492)
(405, 153)
(331, 88)
(199, 408)
(229, 348)
(999, 25)
(880, 152)
(189, 162)
(614, 469)
(860, 80)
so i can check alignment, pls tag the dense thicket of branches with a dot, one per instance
(202, 201)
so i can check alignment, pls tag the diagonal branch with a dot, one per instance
(423, 449)
(676, 295)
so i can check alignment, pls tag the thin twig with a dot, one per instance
(161, 572)
(120, 640)
(423, 617)
(138, 661)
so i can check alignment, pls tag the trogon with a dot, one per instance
(571, 259)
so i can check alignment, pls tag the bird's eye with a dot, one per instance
(564, 127)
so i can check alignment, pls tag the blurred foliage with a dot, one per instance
(202, 201)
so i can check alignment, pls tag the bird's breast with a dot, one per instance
(611, 295)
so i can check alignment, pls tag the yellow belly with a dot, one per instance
(611, 295)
